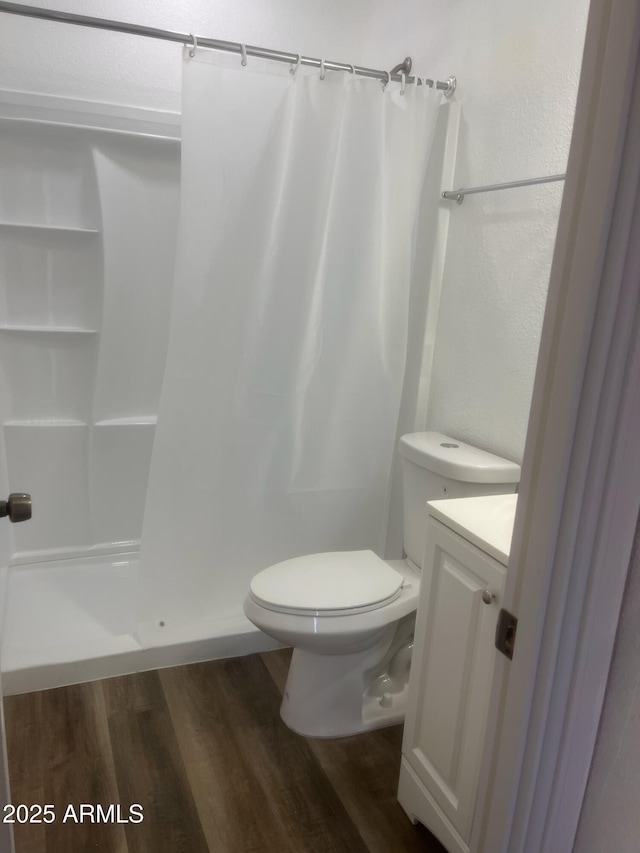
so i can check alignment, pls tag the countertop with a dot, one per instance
(485, 521)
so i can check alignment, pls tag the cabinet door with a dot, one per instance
(451, 675)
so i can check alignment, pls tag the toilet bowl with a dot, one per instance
(349, 615)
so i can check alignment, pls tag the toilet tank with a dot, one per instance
(435, 466)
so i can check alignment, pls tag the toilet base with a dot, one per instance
(328, 695)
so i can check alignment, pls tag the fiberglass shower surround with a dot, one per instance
(284, 329)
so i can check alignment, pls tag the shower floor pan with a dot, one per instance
(72, 621)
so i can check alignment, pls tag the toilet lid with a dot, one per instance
(337, 580)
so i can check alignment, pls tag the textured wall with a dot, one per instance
(52, 58)
(518, 66)
(610, 818)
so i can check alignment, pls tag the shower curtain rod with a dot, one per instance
(458, 195)
(448, 87)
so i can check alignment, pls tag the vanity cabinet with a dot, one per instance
(450, 682)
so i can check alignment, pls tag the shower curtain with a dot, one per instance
(277, 421)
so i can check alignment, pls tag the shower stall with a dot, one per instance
(89, 223)
(88, 219)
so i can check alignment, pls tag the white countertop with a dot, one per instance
(486, 522)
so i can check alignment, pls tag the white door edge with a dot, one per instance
(581, 474)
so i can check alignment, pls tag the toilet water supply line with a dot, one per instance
(399, 73)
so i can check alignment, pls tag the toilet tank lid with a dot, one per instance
(456, 460)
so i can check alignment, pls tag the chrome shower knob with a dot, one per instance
(17, 507)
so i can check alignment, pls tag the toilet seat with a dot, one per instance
(328, 584)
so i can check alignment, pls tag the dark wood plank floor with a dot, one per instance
(203, 750)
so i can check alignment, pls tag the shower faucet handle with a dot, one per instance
(17, 507)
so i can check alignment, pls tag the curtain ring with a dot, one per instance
(294, 68)
(243, 53)
(192, 52)
(353, 70)
(403, 83)
(388, 80)
(323, 73)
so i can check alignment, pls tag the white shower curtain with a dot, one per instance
(276, 427)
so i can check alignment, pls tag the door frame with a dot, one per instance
(7, 844)
(580, 492)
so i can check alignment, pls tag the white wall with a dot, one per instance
(518, 67)
(54, 58)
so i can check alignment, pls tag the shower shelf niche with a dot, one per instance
(47, 330)
(142, 420)
(45, 227)
(44, 422)
(87, 222)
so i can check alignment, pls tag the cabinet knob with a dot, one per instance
(488, 597)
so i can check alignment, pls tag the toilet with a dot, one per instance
(349, 615)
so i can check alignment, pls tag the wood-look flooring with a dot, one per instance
(203, 750)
